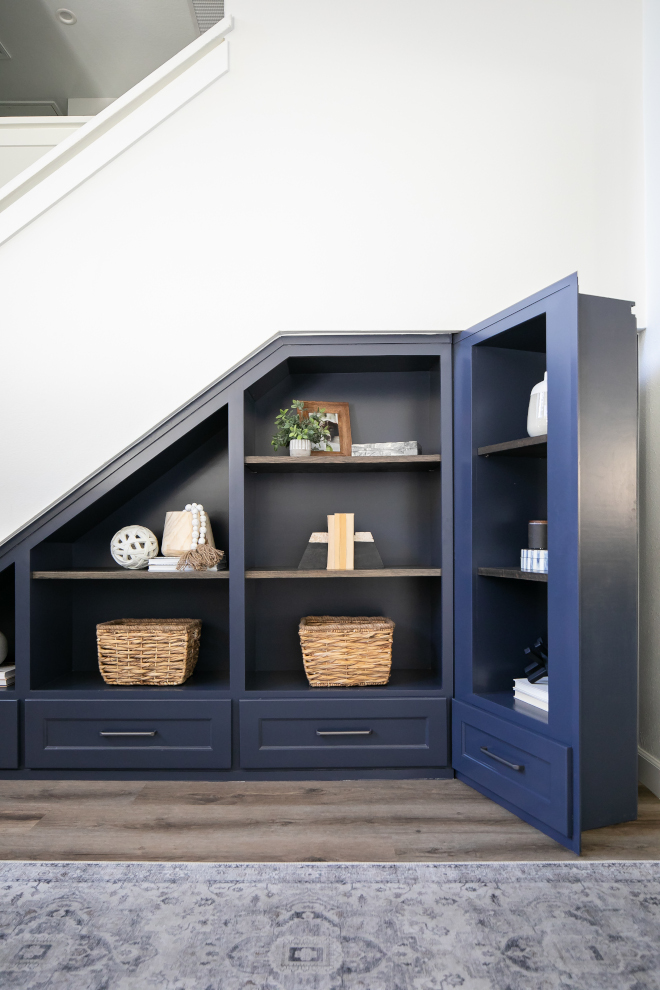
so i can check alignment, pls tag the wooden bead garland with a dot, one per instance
(198, 524)
(199, 556)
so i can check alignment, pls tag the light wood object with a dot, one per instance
(341, 534)
(331, 543)
(348, 559)
(177, 535)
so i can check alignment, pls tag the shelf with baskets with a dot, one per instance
(75, 584)
(66, 613)
(274, 610)
(395, 498)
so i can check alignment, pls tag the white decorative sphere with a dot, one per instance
(200, 506)
(4, 648)
(188, 507)
(133, 546)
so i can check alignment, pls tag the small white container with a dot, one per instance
(300, 448)
(537, 414)
(534, 560)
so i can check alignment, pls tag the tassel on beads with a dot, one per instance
(200, 558)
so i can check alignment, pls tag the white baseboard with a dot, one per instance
(649, 771)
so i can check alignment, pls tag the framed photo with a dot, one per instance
(338, 420)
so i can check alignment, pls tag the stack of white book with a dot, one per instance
(7, 674)
(169, 564)
(531, 694)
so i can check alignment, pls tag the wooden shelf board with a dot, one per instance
(106, 574)
(517, 711)
(339, 462)
(512, 572)
(91, 680)
(526, 447)
(381, 572)
(295, 680)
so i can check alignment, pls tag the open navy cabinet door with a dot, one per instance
(574, 767)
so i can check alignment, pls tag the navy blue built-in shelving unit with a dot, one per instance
(247, 711)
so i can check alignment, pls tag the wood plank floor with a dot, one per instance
(338, 821)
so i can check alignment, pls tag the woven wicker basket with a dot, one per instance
(148, 651)
(340, 651)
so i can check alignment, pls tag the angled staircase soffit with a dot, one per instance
(114, 130)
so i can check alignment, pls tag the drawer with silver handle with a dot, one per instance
(526, 769)
(113, 735)
(327, 734)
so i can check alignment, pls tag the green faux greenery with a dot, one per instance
(291, 426)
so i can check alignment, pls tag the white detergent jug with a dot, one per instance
(537, 414)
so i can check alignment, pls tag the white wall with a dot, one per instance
(363, 166)
(649, 666)
(23, 140)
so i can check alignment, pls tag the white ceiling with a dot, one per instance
(112, 46)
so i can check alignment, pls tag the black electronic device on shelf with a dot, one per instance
(538, 668)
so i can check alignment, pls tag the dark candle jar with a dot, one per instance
(537, 534)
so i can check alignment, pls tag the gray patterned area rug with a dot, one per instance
(200, 926)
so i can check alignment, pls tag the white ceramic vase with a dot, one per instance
(537, 414)
(300, 448)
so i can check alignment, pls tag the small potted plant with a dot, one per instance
(300, 433)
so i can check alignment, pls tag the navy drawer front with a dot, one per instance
(528, 770)
(140, 735)
(8, 735)
(336, 734)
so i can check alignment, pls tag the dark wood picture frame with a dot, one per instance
(343, 422)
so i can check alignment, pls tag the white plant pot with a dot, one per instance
(300, 448)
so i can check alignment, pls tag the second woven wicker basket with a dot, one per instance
(346, 651)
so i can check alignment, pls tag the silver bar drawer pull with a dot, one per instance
(514, 766)
(343, 732)
(128, 733)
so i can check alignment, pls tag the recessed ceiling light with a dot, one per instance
(66, 16)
